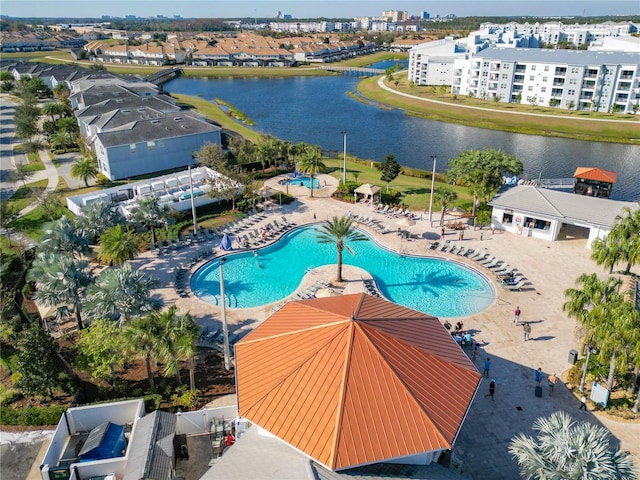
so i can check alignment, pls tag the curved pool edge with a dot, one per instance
(301, 284)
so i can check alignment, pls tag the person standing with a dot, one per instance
(583, 404)
(538, 376)
(474, 354)
(492, 389)
(516, 315)
(527, 331)
(487, 367)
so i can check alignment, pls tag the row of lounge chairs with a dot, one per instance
(392, 211)
(236, 226)
(256, 238)
(372, 223)
(185, 240)
(371, 288)
(509, 277)
(311, 291)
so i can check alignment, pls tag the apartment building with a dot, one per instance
(571, 79)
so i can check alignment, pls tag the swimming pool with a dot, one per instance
(302, 182)
(431, 285)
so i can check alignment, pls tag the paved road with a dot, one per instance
(7, 158)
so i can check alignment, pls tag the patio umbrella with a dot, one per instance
(267, 192)
(225, 243)
(405, 222)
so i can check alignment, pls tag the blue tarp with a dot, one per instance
(105, 441)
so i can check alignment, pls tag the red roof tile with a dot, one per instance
(354, 380)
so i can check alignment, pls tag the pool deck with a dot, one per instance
(550, 267)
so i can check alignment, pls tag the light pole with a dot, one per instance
(344, 161)
(225, 329)
(433, 185)
(193, 205)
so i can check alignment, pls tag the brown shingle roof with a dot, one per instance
(354, 380)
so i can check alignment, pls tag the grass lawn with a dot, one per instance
(415, 191)
(625, 128)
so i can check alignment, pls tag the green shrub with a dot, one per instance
(31, 415)
(152, 402)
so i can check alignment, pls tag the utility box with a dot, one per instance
(573, 357)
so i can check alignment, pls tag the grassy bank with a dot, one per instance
(601, 127)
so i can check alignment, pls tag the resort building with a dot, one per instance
(551, 215)
(173, 190)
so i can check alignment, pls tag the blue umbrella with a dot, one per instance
(225, 243)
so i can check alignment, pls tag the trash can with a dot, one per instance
(573, 357)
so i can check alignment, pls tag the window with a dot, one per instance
(532, 78)
(505, 76)
(507, 219)
(543, 89)
(533, 67)
(574, 70)
(571, 92)
(573, 81)
(546, 68)
(132, 148)
(544, 79)
(503, 86)
(530, 88)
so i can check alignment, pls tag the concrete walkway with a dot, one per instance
(50, 173)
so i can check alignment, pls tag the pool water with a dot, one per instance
(431, 285)
(302, 182)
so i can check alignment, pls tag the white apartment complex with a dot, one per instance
(571, 79)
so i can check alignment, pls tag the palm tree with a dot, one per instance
(63, 237)
(627, 231)
(62, 139)
(568, 450)
(611, 323)
(340, 230)
(121, 294)
(117, 245)
(179, 334)
(61, 280)
(84, 169)
(68, 125)
(606, 252)
(311, 163)
(96, 218)
(52, 109)
(148, 213)
(144, 339)
(444, 196)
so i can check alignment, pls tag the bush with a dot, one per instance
(32, 415)
(102, 180)
(152, 402)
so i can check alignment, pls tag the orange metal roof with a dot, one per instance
(354, 379)
(596, 174)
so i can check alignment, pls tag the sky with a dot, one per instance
(312, 8)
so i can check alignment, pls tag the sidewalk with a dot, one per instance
(50, 172)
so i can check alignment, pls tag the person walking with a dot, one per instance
(487, 367)
(583, 404)
(527, 331)
(552, 382)
(516, 316)
(538, 376)
(474, 354)
(492, 389)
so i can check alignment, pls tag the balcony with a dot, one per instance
(558, 82)
(560, 71)
(521, 69)
(518, 79)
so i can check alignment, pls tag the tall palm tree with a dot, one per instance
(68, 125)
(85, 169)
(611, 323)
(144, 340)
(61, 280)
(52, 109)
(627, 230)
(117, 245)
(340, 230)
(311, 163)
(568, 450)
(444, 196)
(149, 213)
(121, 294)
(62, 236)
(606, 252)
(179, 334)
(62, 139)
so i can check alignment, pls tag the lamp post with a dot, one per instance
(225, 329)
(344, 161)
(193, 205)
(433, 185)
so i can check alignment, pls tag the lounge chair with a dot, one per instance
(433, 245)
(488, 261)
(516, 286)
(491, 263)
(479, 256)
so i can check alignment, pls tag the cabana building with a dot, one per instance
(553, 215)
(333, 384)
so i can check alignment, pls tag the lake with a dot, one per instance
(316, 110)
